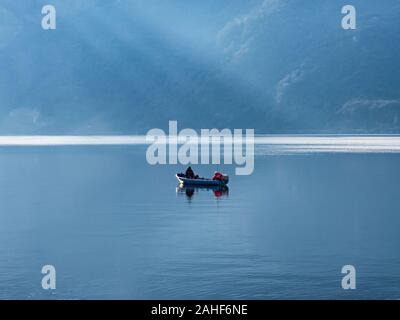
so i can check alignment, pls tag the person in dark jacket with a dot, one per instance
(189, 173)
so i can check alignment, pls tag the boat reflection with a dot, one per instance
(190, 191)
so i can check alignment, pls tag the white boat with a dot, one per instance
(201, 181)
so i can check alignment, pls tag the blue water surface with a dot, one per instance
(116, 227)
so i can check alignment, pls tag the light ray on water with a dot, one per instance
(265, 144)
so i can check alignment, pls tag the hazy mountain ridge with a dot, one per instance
(276, 66)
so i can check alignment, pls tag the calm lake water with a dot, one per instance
(117, 228)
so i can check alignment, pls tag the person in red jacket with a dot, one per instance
(217, 175)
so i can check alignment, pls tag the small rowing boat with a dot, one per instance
(202, 181)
